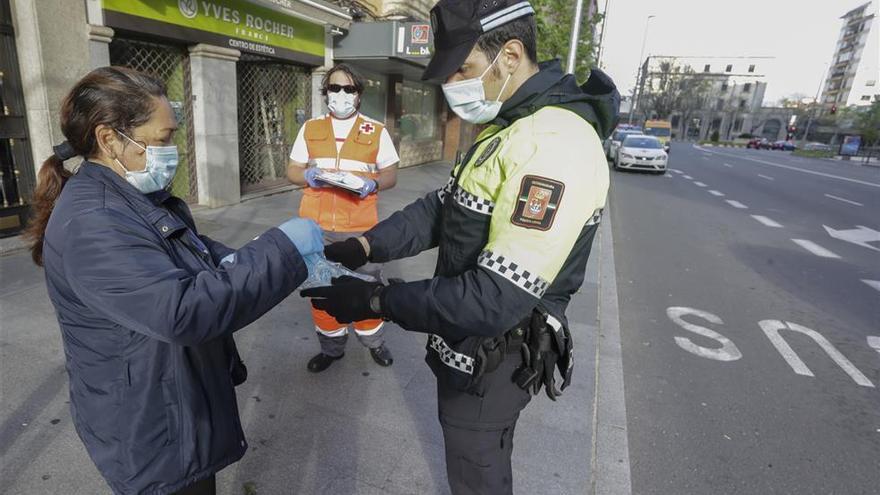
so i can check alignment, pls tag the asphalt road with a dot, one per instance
(748, 291)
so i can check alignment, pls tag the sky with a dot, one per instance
(800, 34)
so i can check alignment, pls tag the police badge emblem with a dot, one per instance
(537, 202)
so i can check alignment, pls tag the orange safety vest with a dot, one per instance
(336, 209)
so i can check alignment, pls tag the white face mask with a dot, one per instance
(468, 98)
(342, 104)
(161, 166)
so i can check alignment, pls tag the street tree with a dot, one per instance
(868, 124)
(675, 89)
(554, 19)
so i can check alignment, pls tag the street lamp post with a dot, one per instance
(810, 114)
(575, 34)
(633, 101)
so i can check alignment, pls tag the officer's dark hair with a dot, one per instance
(523, 29)
(357, 80)
(117, 97)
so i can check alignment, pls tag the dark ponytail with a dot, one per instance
(117, 97)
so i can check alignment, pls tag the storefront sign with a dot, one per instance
(236, 24)
(414, 40)
(850, 145)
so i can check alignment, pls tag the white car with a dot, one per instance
(641, 153)
(616, 138)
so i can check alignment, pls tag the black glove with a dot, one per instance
(349, 252)
(349, 299)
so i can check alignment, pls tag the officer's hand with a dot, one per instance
(310, 176)
(304, 234)
(347, 300)
(350, 253)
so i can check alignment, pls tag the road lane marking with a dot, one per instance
(766, 221)
(815, 248)
(676, 170)
(688, 177)
(872, 283)
(844, 200)
(860, 236)
(874, 343)
(736, 204)
(728, 165)
(699, 184)
(772, 327)
(713, 192)
(765, 177)
(812, 172)
(728, 350)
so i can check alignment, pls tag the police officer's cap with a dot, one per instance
(457, 25)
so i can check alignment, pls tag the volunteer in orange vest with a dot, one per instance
(347, 141)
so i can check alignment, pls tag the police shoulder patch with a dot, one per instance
(488, 151)
(537, 202)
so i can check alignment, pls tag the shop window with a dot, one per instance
(373, 101)
(418, 117)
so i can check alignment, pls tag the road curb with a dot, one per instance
(610, 457)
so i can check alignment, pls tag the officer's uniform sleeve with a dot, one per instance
(407, 232)
(551, 191)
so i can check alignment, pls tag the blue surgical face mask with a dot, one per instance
(468, 98)
(161, 167)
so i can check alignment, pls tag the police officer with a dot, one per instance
(514, 226)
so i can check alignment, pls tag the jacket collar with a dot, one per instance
(148, 206)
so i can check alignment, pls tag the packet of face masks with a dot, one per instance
(322, 272)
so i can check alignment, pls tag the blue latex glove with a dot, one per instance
(229, 258)
(370, 186)
(310, 175)
(304, 234)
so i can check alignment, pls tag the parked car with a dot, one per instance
(640, 152)
(783, 145)
(817, 147)
(758, 143)
(616, 139)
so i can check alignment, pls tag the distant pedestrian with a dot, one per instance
(146, 305)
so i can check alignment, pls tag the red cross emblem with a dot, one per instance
(367, 128)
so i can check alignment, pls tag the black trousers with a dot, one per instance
(478, 431)
(207, 486)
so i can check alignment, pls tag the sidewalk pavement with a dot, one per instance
(356, 428)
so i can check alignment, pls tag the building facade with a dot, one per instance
(854, 72)
(704, 95)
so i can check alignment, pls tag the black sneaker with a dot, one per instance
(322, 361)
(382, 355)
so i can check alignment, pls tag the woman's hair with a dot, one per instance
(117, 97)
(356, 79)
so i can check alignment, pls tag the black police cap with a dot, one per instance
(457, 24)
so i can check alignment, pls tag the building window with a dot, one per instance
(747, 87)
(729, 68)
(724, 86)
(706, 68)
(871, 83)
(752, 68)
(742, 103)
(719, 105)
(866, 97)
(419, 111)
(373, 101)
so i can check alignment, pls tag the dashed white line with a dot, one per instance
(815, 248)
(844, 200)
(765, 177)
(798, 169)
(736, 204)
(676, 170)
(688, 177)
(873, 284)
(728, 165)
(699, 184)
(713, 192)
(767, 221)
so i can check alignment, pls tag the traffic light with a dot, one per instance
(833, 109)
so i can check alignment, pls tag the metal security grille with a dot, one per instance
(171, 65)
(273, 102)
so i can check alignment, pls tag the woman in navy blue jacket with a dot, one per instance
(147, 306)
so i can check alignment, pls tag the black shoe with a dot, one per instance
(382, 355)
(321, 362)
